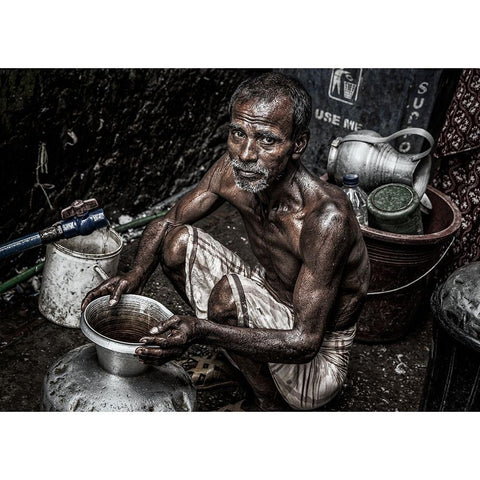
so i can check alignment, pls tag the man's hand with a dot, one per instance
(168, 341)
(131, 282)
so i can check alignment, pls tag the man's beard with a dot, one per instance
(252, 186)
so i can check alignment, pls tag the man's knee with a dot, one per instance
(175, 248)
(221, 304)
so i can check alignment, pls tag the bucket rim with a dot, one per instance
(108, 343)
(93, 256)
(424, 239)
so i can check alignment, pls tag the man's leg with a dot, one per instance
(222, 309)
(173, 258)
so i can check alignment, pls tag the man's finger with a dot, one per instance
(152, 341)
(117, 292)
(103, 289)
(157, 356)
(93, 294)
(155, 351)
(164, 326)
(88, 298)
(168, 342)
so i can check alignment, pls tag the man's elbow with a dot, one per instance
(305, 347)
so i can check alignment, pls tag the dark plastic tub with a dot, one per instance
(397, 260)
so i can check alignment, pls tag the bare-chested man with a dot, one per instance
(288, 324)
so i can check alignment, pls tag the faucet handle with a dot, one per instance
(79, 208)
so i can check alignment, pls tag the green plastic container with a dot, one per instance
(395, 208)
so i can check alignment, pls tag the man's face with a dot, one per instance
(260, 142)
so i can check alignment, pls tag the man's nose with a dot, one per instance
(248, 152)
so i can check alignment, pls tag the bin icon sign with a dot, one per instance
(344, 84)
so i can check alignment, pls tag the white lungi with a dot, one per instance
(304, 386)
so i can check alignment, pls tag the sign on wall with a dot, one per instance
(345, 100)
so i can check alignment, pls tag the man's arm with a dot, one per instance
(193, 206)
(325, 248)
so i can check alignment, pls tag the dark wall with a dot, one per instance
(132, 137)
(129, 138)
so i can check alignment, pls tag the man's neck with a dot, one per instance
(280, 186)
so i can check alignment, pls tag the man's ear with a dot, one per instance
(300, 144)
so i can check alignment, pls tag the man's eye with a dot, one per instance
(268, 140)
(238, 133)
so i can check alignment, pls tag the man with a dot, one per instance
(288, 323)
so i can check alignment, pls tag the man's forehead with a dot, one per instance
(279, 108)
(276, 102)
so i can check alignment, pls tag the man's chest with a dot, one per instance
(274, 238)
(273, 233)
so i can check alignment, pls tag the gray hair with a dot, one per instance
(270, 86)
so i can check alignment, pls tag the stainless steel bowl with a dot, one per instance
(116, 330)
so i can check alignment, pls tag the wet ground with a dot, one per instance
(381, 377)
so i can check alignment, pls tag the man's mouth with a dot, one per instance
(247, 173)
(252, 172)
(252, 180)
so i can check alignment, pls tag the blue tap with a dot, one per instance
(85, 224)
(81, 218)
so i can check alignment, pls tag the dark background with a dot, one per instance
(133, 137)
(143, 135)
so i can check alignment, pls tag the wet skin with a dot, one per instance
(301, 229)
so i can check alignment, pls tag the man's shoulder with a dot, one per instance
(326, 214)
(326, 210)
(221, 165)
(322, 198)
(219, 179)
(219, 176)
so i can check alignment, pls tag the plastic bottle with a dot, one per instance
(357, 197)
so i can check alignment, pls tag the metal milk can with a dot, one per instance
(377, 163)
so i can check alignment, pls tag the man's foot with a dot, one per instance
(213, 371)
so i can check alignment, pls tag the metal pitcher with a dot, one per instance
(69, 273)
(377, 163)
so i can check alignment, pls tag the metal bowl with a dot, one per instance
(116, 330)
